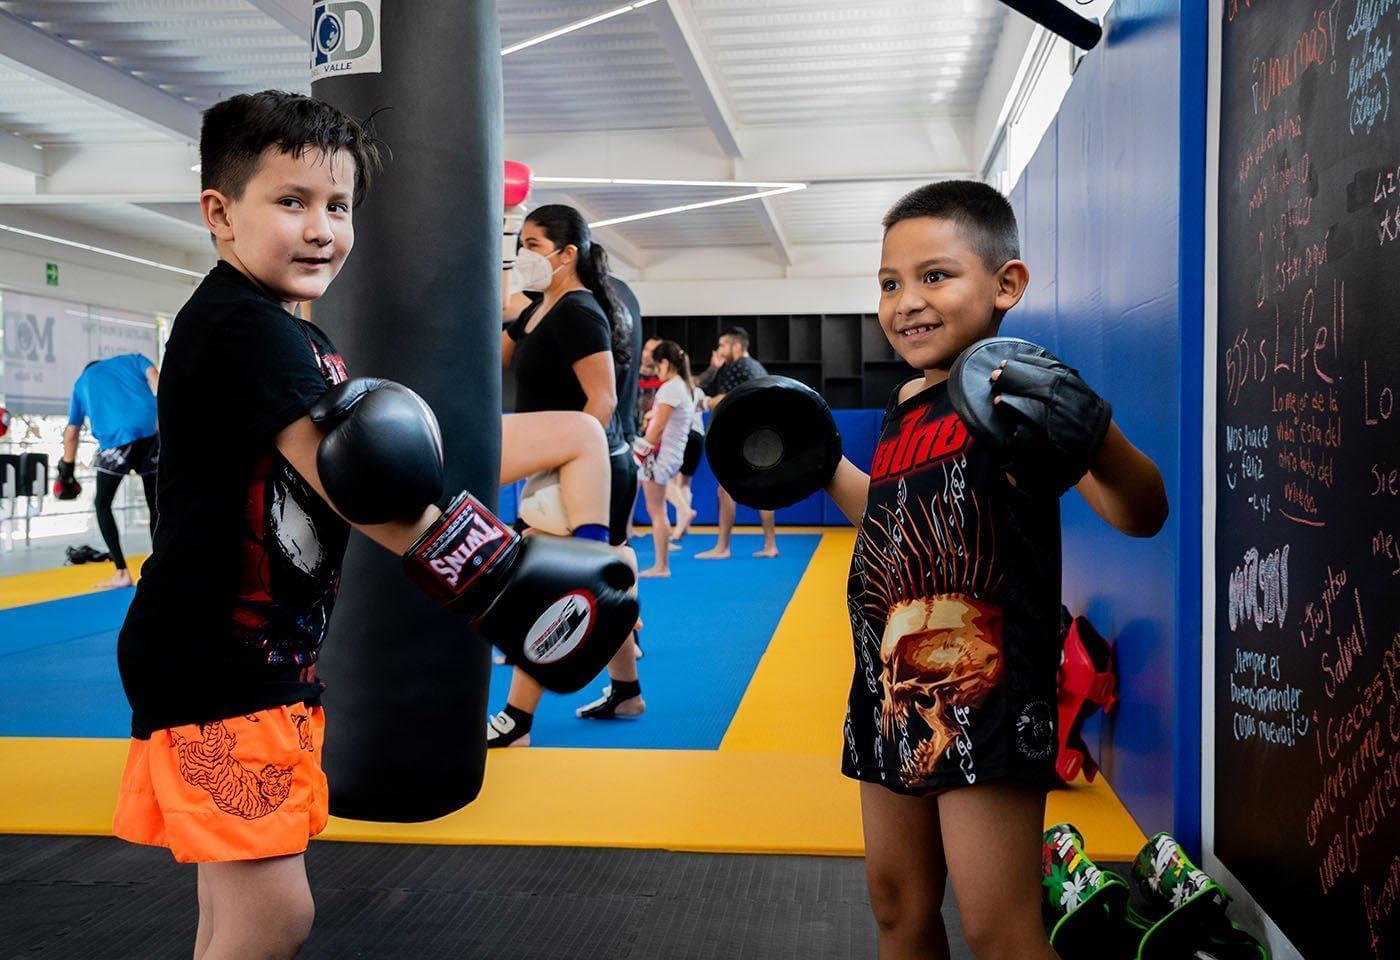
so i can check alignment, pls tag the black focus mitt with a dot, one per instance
(772, 442)
(1039, 414)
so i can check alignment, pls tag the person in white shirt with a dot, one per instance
(678, 493)
(661, 451)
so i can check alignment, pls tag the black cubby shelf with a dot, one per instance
(843, 356)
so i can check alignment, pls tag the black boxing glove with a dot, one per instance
(772, 442)
(66, 485)
(1043, 420)
(558, 609)
(1063, 421)
(381, 456)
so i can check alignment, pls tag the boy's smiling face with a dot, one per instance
(937, 296)
(290, 231)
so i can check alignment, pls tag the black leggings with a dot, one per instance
(107, 486)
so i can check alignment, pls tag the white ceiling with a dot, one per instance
(860, 99)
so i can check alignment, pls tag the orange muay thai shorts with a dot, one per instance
(245, 788)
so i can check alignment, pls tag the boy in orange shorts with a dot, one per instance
(218, 651)
(262, 432)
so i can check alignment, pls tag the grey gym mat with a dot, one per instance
(78, 898)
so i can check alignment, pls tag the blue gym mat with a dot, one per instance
(705, 630)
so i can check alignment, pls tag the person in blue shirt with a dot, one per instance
(117, 397)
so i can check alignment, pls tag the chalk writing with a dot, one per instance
(1314, 47)
(1259, 589)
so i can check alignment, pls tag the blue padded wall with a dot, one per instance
(1102, 232)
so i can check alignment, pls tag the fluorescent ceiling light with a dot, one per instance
(102, 250)
(698, 206)
(577, 25)
(648, 182)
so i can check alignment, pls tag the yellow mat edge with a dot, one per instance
(698, 801)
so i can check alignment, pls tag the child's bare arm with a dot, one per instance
(1125, 488)
(850, 488)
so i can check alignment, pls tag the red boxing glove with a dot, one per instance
(66, 487)
(4, 421)
(518, 182)
(517, 191)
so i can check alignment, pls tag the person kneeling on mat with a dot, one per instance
(268, 451)
(954, 589)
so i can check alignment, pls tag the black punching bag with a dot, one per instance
(418, 301)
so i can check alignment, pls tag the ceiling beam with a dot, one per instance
(53, 224)
(676, 24)
(613, 242)
(20, 154)
(787, 152)
(295, 15)
(109, 196)
(773, 231)
(50, 60)
(187, 214)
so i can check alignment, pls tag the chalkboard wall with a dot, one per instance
(1307, 576)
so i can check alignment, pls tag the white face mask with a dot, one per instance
(531, 272)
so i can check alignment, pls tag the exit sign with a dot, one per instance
(51, 274)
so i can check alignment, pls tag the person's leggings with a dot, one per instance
(107, 486)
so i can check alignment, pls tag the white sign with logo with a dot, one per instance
(47, 343)
(120, 332)
(46, 347)
(344, 37)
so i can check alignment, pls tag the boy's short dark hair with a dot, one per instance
(236, 131)
(739, 334)
(984, 215)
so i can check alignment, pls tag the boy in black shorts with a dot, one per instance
(954, 598)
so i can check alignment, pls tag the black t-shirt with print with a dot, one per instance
(234, 602)
(954, 600)
(734, 374)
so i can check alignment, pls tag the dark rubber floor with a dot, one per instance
(77, 898)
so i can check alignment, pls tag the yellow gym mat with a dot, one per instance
(773, 786)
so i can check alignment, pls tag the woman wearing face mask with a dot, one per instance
(570, 340)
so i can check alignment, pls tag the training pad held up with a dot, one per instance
(772, 442)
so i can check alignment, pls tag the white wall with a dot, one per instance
(92, 277)
(823, 278)
(23, 271)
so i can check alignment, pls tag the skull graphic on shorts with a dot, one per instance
(937, 653)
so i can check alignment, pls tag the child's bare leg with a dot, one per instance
(660, 530)
(678, 492)
(573, 442)
(205, 930)
(906, 873)
(991, 839)
(260, 909)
